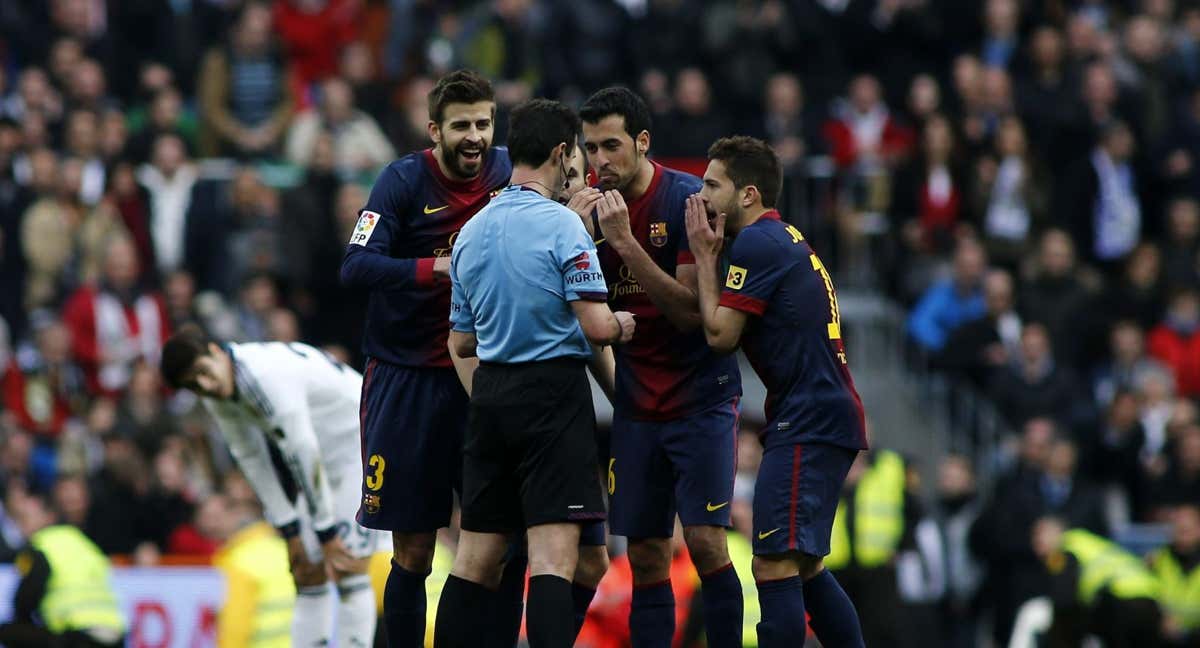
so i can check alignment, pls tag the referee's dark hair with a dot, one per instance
(459, 86)
(536, 127)
(180, 352)
(617, 101)
(750, 161)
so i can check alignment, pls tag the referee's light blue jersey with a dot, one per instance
(515, 267)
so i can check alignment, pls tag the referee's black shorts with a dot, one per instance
(529, 452)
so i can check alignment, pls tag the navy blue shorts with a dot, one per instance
(412, 421)
(657, 468)
(796, 496)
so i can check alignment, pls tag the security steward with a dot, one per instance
(527, 298)
(1177, 567)
(64, 598)
(1096, 587)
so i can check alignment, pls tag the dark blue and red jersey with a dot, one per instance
(794, 339)
(663, 373)
(412, 217)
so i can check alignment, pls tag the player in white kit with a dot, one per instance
(289, 413)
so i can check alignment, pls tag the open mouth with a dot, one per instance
(471, 155)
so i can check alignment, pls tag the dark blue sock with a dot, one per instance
(652, 617)
(782, 603)
(834, 619)
(404, 608)
(510, 604)
(582, 598)
(722, 594)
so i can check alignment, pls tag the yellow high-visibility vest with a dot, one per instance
(741, 553)
(878, 516)
(260, 595)
(1103, 564)
(79, 595)
(1179, 592)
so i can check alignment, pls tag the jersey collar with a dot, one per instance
(457, 185)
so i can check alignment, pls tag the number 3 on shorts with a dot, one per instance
(612, 477)
(375, 479)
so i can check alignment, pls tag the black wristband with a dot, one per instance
(326, 535)
(289, 530)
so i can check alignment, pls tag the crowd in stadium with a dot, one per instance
(1037, 163)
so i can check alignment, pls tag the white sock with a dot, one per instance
(312, 623)
(356, 612)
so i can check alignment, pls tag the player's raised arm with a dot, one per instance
(368, 262)
(722, 326)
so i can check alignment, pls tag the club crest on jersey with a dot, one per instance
(658, 234)
(582, 262)
(371, 503)
(736, 278)
(363, 229)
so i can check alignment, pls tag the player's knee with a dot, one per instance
(414, 551)
(810, 566)
(708, 547)
(767, 568)
(593, 564)
(650, 559)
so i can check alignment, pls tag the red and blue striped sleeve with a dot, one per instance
(756, 266)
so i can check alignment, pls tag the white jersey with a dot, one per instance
(306, 404)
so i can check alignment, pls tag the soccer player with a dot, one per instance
(290, 416)
(779, 304)
(527, 299)
(413, 406)
(675, 419)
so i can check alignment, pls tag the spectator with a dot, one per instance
(1138, 294)
(1176, 567)
(982, 347)
(1001, 18)
(282, 326)
(42, 385)
(243, 91)
(87, 87)
(863, 133)
(166, 116)
(358, 67)
(1116, 449)
(1177, 341)
(1156, 391)
(179, 295)
(784, 124)
(1181, 249)
(313, 34)
(696, 123)
(118, 519)
(131, 202)
(200, 537)
(1127, 364)
(411, 132)
(83, 142)
(1143, 70)
(114, 322)
(958, 506)
(1035, 385)
(950, 302)
(1044, 90)
(14, 200)
(1055, 295)
(924, 100)
(359, 144)
(258, 298)
(1180, 484)
(1102, 199)
(168, 504)
(169, 179)
(502, 41)
(143, 413)
(930, 189)
(1010, 195)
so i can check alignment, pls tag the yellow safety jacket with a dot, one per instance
(878, 516)
(1103, 564)
(1179, 592)
(79, 595)
(260, 594)
(741, 552)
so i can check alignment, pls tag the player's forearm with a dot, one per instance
(367, 269)
(709, 296)
(676, 301)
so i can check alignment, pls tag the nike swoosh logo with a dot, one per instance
(718, 507)
(434, 210)
(763, 535)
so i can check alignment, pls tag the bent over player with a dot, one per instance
(413, 407)
(290, 416)
(779, 303)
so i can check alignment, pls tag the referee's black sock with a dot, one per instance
(404, 607)
(510, 604)
(462, 600)
(834, 619)
(582, 598)
(551, 623)
(721, 592)
(782, 602)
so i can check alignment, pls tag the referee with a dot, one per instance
(527, 298)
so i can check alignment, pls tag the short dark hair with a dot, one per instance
(750, 161)
(536, 127)
(620, 101)
(460, 86)
(180, 352)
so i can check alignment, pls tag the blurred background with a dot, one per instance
(1006, 191)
